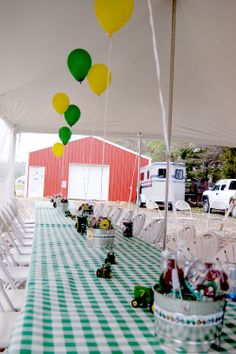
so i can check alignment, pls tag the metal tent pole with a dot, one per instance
(139, 165)
(170, 112)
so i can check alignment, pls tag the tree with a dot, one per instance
(229, 166)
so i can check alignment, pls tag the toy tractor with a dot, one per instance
(110, 258)
(143, 297)
(128, 228)
(104, 271)
(81, 224)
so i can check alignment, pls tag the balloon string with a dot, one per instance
(106, 110)
(158, 74)
(91, 145)
(62, 171)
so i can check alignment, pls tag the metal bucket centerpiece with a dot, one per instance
(189, 306)
(100, 233)
(64, 205)
(56, 200)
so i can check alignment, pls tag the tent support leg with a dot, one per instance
(139, 165)
(170, 113)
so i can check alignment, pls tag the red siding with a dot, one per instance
(89, 151)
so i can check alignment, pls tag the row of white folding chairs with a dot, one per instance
(16, 232)
(153, 233)
(205, 247)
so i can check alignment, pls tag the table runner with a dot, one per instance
(69, 310)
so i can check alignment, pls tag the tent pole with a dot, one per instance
(170, 113)
(13, 162)
(139, 163)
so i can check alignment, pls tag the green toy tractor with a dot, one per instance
(143, 297)
(104, 271)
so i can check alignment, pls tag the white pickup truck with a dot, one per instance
(220, 196)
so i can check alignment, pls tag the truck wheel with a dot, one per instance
(206, 205)
(233, 212)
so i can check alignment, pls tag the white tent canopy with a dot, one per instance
(37, 36)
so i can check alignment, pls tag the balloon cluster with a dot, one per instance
(111, 15)
(61, 104)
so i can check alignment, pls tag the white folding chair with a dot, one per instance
(106, 212)
(12, 259)
(227, 254)
(128, 215)
(154, 206)
(7, 322)
(27, 229)
(205, 247)
(153, 233)
(14, 276)
(183, 213)
(16, 249)
(116, 214)
(98, 208)
(11, 299)
(138, 223)
(17, 233)
(185, 235)
(27, 214)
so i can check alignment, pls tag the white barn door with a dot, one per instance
(36, 181)
(85, 181)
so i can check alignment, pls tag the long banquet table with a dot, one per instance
(69, 310)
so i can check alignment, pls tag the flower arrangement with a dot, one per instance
(102, 223)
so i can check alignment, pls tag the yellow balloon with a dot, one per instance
(60, 102)
(113, 14)
(99, 78)
(58, 149)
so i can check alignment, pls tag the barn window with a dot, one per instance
(161, 173)
(142, 176)
(148, 174)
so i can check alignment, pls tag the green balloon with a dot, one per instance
(79, 62)
(72, 114)
(64, 135)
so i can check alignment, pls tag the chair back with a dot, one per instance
(98, 208)
(205, 247)
(153, 233)
(227, 254)
(116, 214)
(183, 213)
(154, 206)
(138, 223)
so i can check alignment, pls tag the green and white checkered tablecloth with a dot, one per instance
(69, 310)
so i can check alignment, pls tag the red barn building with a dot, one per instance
(80, 173)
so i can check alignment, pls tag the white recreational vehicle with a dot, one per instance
(153, 183)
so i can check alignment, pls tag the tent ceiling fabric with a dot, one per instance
(37, 36)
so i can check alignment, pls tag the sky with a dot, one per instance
(28, 142)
